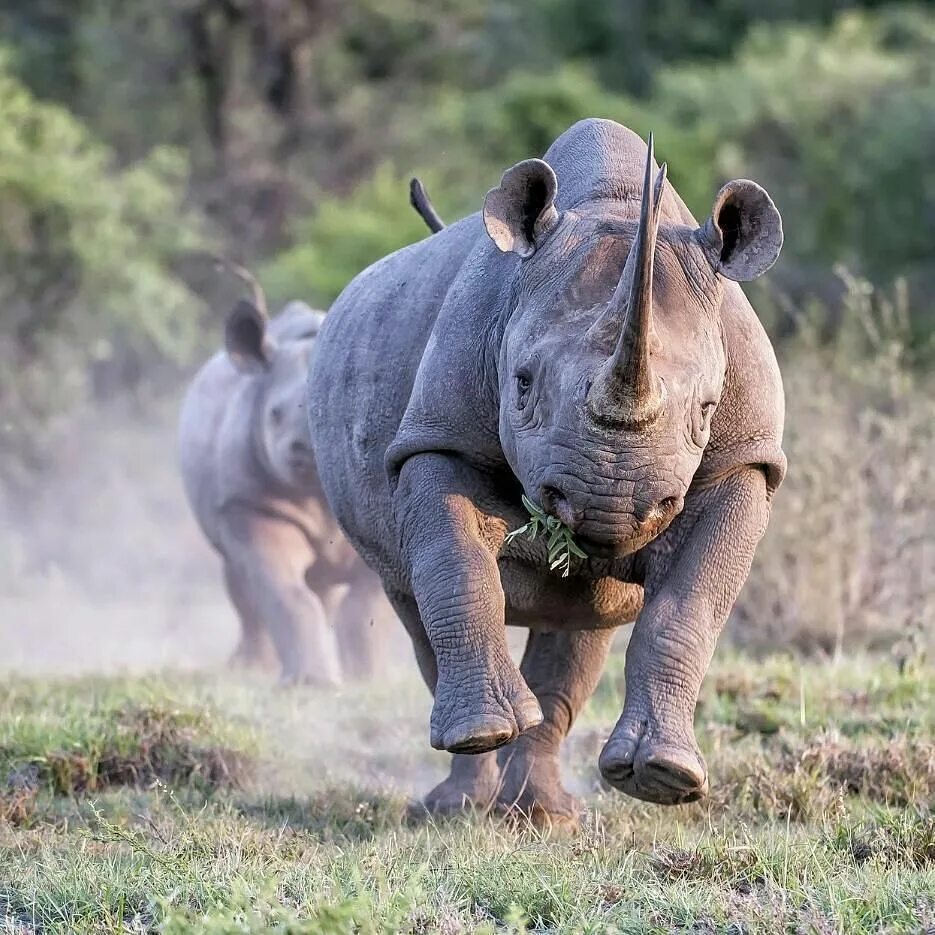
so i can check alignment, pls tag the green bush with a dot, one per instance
(343, 237)
(839, 125)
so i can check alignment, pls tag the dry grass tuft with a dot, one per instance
(803, 781)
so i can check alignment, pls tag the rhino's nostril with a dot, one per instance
(555, 503)
(299, 447)
(663, 509)
(669, 505)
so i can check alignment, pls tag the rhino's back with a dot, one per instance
(362, 374)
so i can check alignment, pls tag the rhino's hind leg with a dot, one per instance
(474, 780)
(563, 669)
(255, 648)
(473, 783)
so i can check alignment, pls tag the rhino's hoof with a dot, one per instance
(485, 731)
(550, 811)
(666, 774)
(477, 735)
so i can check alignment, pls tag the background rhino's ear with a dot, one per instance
(743, 236)
(521, 211)
(248, 345)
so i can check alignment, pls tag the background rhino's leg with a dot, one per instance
(694, 577)
(368, 629)
(269, 558)
(351, 614)
(481, 700)
(255, 648)
(362, 629)
(474, 778)
(563, 669)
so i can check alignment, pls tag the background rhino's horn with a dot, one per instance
(626, 389)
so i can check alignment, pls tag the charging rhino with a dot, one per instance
(582, 341)
(247, 465)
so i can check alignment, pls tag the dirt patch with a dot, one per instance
(145, 745)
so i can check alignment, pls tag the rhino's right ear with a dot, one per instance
(248, 345)
(521, 211)
(743, 236)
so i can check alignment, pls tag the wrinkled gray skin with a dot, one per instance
(581, 340)
(302, 594)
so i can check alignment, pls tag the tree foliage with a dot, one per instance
(85, 259)
(290, 130)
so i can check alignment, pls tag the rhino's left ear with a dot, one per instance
(521, 211)
(248, 345)
(743, 236)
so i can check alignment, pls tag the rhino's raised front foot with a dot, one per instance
(663, 770)
(481, 714)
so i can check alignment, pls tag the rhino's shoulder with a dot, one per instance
(748, 423)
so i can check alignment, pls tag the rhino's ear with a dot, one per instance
(743, 236)
(521, 211)
(248, 345)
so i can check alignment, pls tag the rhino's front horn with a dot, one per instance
(626, 391)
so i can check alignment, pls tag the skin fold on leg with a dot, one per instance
(481, 699)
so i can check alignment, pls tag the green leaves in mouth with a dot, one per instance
(559, 539)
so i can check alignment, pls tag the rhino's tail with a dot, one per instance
(419, 199)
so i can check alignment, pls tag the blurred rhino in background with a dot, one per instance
(298, 586)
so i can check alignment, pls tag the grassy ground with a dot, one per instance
(212, 805)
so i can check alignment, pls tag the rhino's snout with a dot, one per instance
(301, 460)
(643, 521)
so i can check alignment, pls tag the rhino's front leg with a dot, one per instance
(652, 753)
(268, 559)
(481, 700)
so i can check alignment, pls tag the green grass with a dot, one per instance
(820, 817)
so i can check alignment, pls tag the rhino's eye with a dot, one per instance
(523, 385)
(707, 410)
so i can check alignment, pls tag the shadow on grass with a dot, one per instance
(337, 813)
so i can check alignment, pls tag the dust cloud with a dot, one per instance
(102, 569)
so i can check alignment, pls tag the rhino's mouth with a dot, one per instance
(605, 540)
(611, 548)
